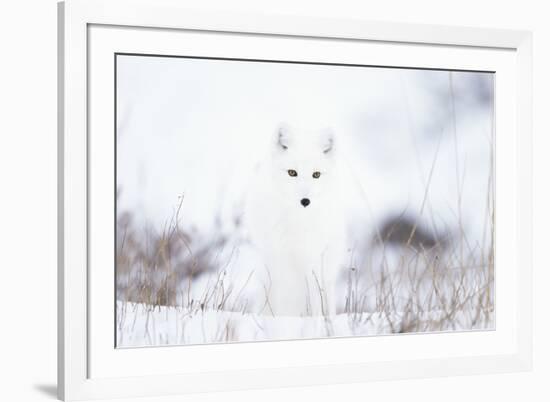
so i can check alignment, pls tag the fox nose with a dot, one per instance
(305, 202)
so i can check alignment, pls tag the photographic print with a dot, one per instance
(263, 200)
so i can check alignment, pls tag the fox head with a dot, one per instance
(303, 162)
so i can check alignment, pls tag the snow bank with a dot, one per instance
(144, 325)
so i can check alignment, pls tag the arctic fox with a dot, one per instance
(295, 219)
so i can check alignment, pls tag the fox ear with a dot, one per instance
(327, 141)
(283, 137)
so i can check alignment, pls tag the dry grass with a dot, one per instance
(151, 266)
(425, 290)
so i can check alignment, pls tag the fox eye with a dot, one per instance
(316, 175)
(292, 173)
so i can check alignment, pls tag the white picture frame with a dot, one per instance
(88, 365)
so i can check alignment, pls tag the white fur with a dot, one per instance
(302, 247)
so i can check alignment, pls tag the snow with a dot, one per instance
(144, 325)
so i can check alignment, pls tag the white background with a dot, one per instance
(28, 199)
